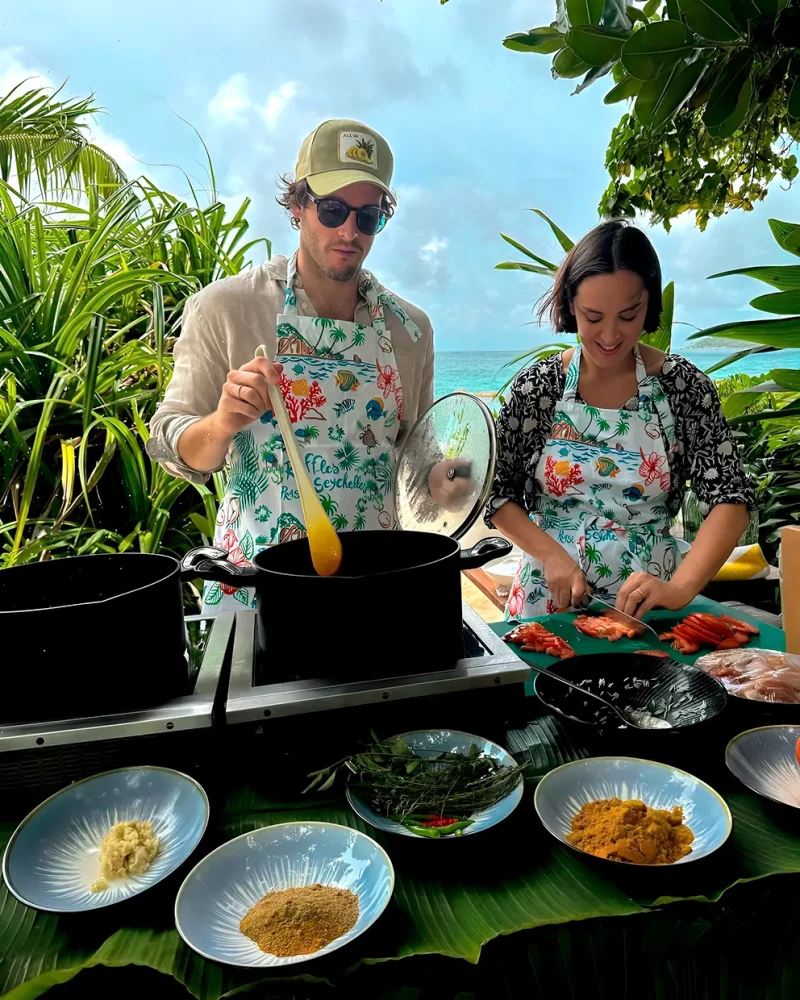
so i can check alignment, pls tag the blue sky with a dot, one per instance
(479, 134)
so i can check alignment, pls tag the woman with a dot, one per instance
(596, 446)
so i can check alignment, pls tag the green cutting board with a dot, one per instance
(661, 621)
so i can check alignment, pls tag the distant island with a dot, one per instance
(713, 344)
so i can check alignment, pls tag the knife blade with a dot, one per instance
(616, 614)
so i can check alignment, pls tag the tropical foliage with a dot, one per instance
(91, 297)
(43, 143)
(715, 90)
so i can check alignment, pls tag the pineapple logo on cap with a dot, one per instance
(358, 146)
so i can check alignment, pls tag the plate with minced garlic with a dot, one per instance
(105, 838)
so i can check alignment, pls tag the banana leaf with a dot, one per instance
(515, 880)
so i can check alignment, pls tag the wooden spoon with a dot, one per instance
(324, 543)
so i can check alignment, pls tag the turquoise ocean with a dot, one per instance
(487, 371)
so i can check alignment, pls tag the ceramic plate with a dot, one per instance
(220, 890)
(428, 743)
(562, 793)
(764, 760)
(52, 858)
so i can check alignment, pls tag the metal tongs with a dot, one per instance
(611, 611)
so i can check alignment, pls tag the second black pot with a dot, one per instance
(393, 608)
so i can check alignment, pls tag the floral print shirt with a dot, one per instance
(706, 456)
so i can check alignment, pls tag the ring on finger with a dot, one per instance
(239, 391)
(641, 595)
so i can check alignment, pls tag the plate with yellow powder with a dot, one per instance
(105, 838)
(631, 811)
(284, 894)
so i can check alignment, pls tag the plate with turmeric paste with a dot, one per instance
(284, 894)
(631, 811)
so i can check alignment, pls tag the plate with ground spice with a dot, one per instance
(105, 838)
(632, 811)
(284, 894)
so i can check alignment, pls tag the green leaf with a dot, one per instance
(793, 106)
(637, 15)
(567, 66)
(529, 253)
(786, 378)
(787, 235)
(560, 235)
(737, 356)
(711, 19)
(661, 340)
(651, 8)
(649, 50)
(662, 98)
(740, 113)
(628, 87)
(584, 12)
(539, 40)
(780, 303)
(785, 277)
(595, 46)
(593, 75)
(725, 94)
(779, 333)
(521, 265)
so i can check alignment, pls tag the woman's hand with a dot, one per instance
(642, 592)
(565, 579)
(244, 396)
(451, 482)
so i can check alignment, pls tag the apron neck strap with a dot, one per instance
(375, 296)
(574, 371)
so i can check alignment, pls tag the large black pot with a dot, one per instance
(393, 608)
(92, 634)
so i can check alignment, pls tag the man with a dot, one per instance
(353, 361)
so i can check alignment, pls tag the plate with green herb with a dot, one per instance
(437, 784)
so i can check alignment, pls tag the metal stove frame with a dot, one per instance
(188, 712)
(247, 702)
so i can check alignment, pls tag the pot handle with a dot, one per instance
(212, 564)
(486, 550)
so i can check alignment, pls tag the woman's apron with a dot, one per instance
(342, 390)
(602, 486)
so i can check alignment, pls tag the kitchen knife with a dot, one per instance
(612, 612)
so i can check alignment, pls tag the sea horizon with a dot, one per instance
(488, 371)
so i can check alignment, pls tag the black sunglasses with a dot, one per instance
(333, 212)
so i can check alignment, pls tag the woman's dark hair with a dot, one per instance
(609, 247)
(297, 194)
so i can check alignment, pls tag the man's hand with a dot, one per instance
(244, 396)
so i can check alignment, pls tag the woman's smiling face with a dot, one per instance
(610, 310)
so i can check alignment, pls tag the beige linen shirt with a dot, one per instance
(221, 328)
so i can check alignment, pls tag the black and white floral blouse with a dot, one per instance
(706, 456)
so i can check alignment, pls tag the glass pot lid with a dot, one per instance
(445, 468)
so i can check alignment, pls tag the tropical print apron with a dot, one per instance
(602, 484)
(342, 390)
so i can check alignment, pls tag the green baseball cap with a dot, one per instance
(341, 152)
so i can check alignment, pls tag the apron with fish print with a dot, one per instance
(342, 390)
(602, 486)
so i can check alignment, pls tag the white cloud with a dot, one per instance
(277, 101)
(231, 100)
(13, 72)
(433, 247)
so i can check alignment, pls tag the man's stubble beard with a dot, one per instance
(314, 251)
